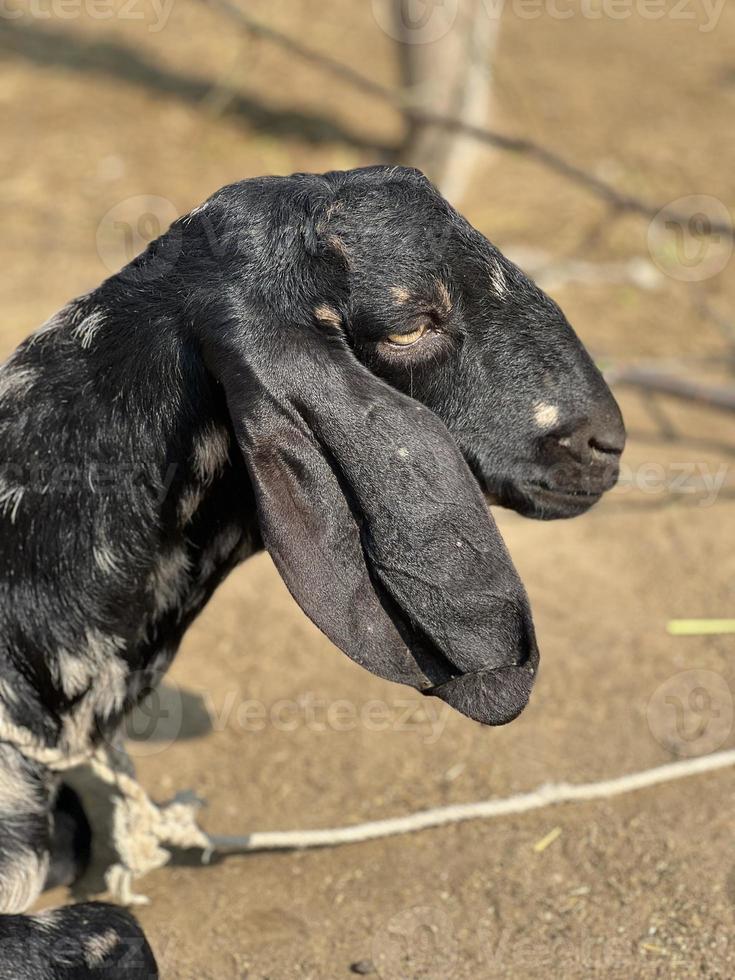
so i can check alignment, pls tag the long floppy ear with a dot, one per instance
(373, 518)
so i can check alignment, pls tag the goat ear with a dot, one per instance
(374, 520)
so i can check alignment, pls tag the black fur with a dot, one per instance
(233, 388)
(70, 848)
(93, 941)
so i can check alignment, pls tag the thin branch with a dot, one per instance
(618, 200)
(649, 379)
(259, 30)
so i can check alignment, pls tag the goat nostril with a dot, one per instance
(607, 446)
(587, 442)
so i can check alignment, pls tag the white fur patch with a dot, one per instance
(86, 331)
(10, 499)
(48, 919)
(189, 504)
(98, 670)
(545, 415)
(18, 793)
(109, 694)
(99, 947)
(498, 281)
(75, 673)
(16, 381)
(106, 560)
(7, 694)
(101, 646)
(169, 580)
(78, 670)
(22, 880)
(400, 294)
(104, 699)
(328, 317)
(210, 454)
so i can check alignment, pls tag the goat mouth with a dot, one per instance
(542, 501)
(538, 498)
(553, 502)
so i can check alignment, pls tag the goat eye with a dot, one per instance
(406, 339)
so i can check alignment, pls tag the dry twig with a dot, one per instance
(618, 200)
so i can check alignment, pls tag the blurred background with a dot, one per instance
(118, 115)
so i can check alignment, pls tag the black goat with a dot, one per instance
(335, 367)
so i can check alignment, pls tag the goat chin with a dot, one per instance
(491, 499)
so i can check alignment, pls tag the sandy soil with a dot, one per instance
(272, 723)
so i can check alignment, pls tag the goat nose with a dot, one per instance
(601, 438)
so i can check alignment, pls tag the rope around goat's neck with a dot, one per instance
(141, 829)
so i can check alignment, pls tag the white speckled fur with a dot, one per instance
(210, 453)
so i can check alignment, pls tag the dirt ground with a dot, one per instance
(275, 728)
